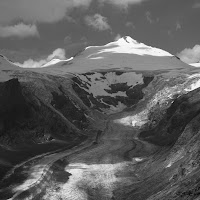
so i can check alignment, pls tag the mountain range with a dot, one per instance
(114, 122)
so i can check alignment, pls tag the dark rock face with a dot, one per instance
(13, 106)
(22, 119)
(133, 94)
(31, 126)
(70, 110)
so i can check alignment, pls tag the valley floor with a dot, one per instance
(116, 165)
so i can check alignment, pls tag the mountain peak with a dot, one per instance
(124, 53)
(127, 45)
(128, 39)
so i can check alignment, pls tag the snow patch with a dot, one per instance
(175, 158)
(108, 85)
(56, 61)
(195, 64)
(97, 84)
(138, 159)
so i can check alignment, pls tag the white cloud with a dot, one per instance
(122, 3)
(67, 40)
(130, 25)
(58, 53)
(149, 17)
(38, 10)
(117, 37)
(178, 26)
(19, 30)
(98, 22)
(190, 55)
(196, 5)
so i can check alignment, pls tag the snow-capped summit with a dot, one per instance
(125, 53)
(128, 45)
(195, 64)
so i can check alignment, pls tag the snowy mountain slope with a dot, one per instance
(111, 92)
(130, 46)
(195, 64)
(125, 53)
(118, 87)
(56, 61)
(104, 77)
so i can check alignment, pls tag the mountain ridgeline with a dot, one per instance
(116, 122)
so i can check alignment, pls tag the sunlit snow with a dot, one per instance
(56, 61)
(127, 45)
(97, 84)
(195, 64)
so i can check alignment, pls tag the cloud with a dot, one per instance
(117, 37)
(178, 26)
(122, 3)
(32, 11)
(196, 5)
(169, 32)
(97, 22)
(58, 53)
(190, 55)
(19, 30)
(130, 25)
(175, 27)
(84, 40)
(20, 54)
(75, 46)
(67, 40)
(149, 17)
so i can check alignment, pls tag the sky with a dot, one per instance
(33, 30)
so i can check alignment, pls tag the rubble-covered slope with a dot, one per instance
(157, 127)
(38, 114)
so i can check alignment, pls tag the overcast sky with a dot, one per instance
(36, 28)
